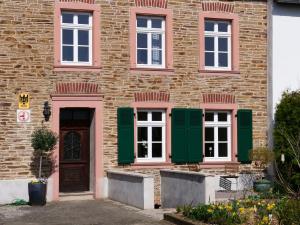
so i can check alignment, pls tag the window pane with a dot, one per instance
(156, 116)
(156, 41)
(222, 133)
(142, 133)
(156, 57)
(142, 116)
(209, 134)
(83, 37)
(222, 27)
(209, 44)
(67, 18)
(223, 150)
(156, 133)
(223, 59)
(142, 150)
(67, 53)
(209, 59)
(156, 23)
(209, 116)
(83, 54)
(142, 40)
(142, 57)
(209, 26)
(157, 150)
(141, 22)
(209, 149)
(83, 19)
(223, 44)
(67, 37)
(222, 116)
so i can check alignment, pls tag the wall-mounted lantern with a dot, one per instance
(46, 111)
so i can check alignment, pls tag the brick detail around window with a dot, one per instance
(217, 7)
(152, 3)
(79, 1)
(76, 88)
(152, 96)
(218, 98)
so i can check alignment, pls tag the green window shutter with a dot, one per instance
(245, 140)
(125, 135)
(179, 147)
(194, 134)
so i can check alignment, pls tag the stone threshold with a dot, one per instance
(76, 196)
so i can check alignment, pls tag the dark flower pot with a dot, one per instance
(262, 185)
(37, 194)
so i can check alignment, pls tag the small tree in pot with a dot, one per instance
(262, 158)
(43, 141)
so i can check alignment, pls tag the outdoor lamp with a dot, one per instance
(46, 111)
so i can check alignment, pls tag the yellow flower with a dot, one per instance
(242, 210)
(210, 210)
(270, 207)
(229, 207)
(265, 219)
(221, 207)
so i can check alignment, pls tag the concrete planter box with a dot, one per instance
(183, 187)
(131, 188)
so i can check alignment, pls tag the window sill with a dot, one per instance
(219, 73)
(163, 165)
(77, 68)
(151, 70)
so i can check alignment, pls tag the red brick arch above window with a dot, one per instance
(151, 97)
(218, 98)
(152, 3)
(217, 7)
(77, 88)
(80, 1)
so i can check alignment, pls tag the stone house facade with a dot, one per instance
(136, 85)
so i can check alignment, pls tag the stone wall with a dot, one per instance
(26, 65)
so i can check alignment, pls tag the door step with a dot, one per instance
(76, 196)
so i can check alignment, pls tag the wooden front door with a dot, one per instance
(74, 158)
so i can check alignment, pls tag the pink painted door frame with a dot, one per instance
(92, 101)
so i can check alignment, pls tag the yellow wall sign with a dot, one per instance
(23, 101)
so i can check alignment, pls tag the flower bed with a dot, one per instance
(253, 210)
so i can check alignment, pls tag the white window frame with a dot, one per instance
(149, 31)
(216, 35)
(149, 124)
(216, 124)
(75, 27)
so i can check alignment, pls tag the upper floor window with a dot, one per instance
(151, 135)
(217, 136)
(150, 49)
(217, 45)
(76, 38)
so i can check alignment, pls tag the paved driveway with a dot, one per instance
(91, 212)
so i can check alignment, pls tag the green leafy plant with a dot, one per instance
(43, 140)
(287, 142)
(288, 211)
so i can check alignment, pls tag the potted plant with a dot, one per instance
(43, 142)
(262, 157)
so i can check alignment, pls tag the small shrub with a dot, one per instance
(288, 211)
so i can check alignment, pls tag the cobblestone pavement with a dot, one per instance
(91, 212)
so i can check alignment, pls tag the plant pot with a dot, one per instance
(37, 194)
(262, 185)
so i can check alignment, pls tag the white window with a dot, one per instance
(151, 135)
(217, 136)
(217, 45)
(76, 38)
(150, 42)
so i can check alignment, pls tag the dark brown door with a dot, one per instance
(74, 158)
